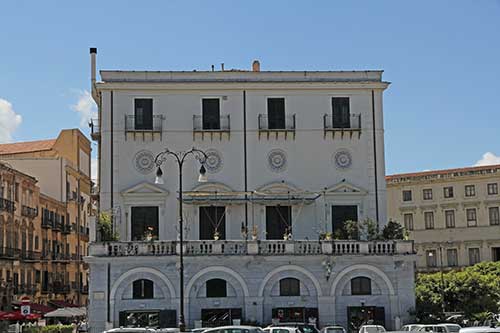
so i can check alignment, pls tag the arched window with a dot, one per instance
(216, 288)
(142, 289)
(361, 286)
(289, 287)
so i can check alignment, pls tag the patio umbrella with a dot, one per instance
(14, 315)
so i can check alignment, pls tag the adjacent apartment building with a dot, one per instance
(61, 168)
(452, 215)
(291, 156)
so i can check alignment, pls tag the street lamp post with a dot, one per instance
(180, 157)
(443, 305)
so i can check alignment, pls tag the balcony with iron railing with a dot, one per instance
(211, 126)
(31, 255)
(66, 228)
(95, 129)
(139, 126)
(258, 247)
(275, 126)
(10, 253)
(7, 205)
(29, 212)
(350, 126)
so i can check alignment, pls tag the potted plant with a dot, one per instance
(255, 232)
(216, 235)
(148, 234)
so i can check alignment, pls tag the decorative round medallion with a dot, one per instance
(213, 164)
(342, 159)
(144, 161)
(277, 160)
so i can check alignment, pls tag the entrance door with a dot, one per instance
(278, 221)
(495, 253)
(341, 214)
(144, 223)
(212, 221)
(219, 317)
(151, 319)
(358, 316)
(295, 315)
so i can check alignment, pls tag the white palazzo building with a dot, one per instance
(291, 157)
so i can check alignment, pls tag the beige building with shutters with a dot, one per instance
(452, 215)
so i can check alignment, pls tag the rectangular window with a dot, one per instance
(493, 188)
(289, 287)
(276, 113)
(278, 221)
(212, 222)
(144, 223)
(141, 289)
(211, 113)
(427, 194)
(495, 254)
(494, 215)
(407, 195)
(470, 190)
(340, 215)
(216, 288)
(429, 220)
(340, 109)
(361, 286)
(16, 192)
(474, 256)
(471, 217)
(431, 258)
(450, 218)
(448, 192)
(143, 114)
(408, 221)
(452, 257)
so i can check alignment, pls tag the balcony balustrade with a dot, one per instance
(29, 212)
(211, 128)
(7, 205)
(136, 126)
(31, 255)
(241, 247)
(10, 253)
(352, 127)
(66, 228)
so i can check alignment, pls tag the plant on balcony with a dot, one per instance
(255, 232)
(149, 235)
(393, 231)
(216, 235)
(105, 228)
(369, 230)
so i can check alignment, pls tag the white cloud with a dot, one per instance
(488, 159)
(93, 169)
(9, 121)
(85, 107)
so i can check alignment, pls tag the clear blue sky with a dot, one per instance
(442, 57)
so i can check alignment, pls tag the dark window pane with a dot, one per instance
(407, 195)
(211, 113)
(340, 108)
(143, 114)
(276, 113)
(212, 220)
(216, 288)
(142, 289)
(340, 215)
(361, 286)
(289, 287)
(278, 221)
(144, 223)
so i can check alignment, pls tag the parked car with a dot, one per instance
(281, 329)
(372, 329)
(440, 328)
(303, 328)
(411, 327)
(480, 329)
(235, 329)
(333, 329)
(141, 330)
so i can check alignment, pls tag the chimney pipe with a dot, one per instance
(256, 66)
(93, 53)
(222, 67)
(213, 68)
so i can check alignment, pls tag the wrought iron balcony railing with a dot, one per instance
(66, 228)
(29, 212)
(95, 129)
(276, 125)
(135, 124)
(10, 253)
(349, 126)
(241, 247)
(7, 205)
(222, 124)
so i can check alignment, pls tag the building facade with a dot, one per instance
(62, 169)
(290, 156)
(452, 215)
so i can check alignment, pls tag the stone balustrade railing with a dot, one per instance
(241, 247)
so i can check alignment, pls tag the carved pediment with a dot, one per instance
(144, 188)
(345, 187)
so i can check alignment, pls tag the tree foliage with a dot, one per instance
(474, 291)
(105, 228)
(393, 230)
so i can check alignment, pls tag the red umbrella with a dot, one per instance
(14, 315)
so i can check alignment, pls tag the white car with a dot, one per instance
(480, 329)
(333, 329)
(372, 329)
(440, 328)
(281, 329)
(411, 327)
(235, 329)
